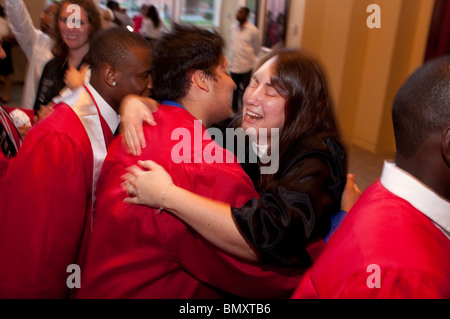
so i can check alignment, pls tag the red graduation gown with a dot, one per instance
(133, 252)
(382, 229)
(49, 188)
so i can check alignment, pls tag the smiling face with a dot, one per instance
(263, 106)
(74, 36)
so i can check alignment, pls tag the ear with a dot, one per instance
(446, 144)
(199, 79)
(109, 75)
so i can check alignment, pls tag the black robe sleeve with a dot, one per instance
(50, 83)
(296, 207)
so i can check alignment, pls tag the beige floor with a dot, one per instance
(366, 165)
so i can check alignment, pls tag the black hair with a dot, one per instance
(246, 10)
(153, 15)
(113, 5)
(183, 50)
(422, 106)
(112, 46)
(2, 12)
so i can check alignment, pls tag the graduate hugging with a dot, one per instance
(50, 185)
(177, 205)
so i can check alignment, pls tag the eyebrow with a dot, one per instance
(255, 78)
(146, 73)
(268, 84)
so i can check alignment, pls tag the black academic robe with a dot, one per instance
(294, 210)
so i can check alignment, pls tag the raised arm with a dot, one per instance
(22, 25)
(212, 219)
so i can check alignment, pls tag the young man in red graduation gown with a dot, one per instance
(50, 185)
(139, 252)
(395, 241)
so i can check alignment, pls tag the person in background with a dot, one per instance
(114, 7)
(14, 126)
(395, 242)
(71, 45)
(245, 48)
(107, 19)
(152, 26)
(50, 185)
(121, 18)
(6, 64)
(137, 20)
(36, 44)
(10, 137)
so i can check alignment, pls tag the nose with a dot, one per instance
(150, 84)
(234, 86)
(70, 25)
(253, 95)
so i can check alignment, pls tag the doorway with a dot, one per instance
(439, 37)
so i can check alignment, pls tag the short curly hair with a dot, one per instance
(113, 47)
(422, 106)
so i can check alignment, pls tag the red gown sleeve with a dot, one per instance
(208, 263)
(43, 215)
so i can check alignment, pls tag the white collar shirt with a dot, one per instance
(245, 48)
(108, 113)
(424, 199)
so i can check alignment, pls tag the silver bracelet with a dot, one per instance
(163, 196)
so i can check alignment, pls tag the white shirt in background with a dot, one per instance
(36, 45)
(245, 47)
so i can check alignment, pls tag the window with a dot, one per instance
(204, 13)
